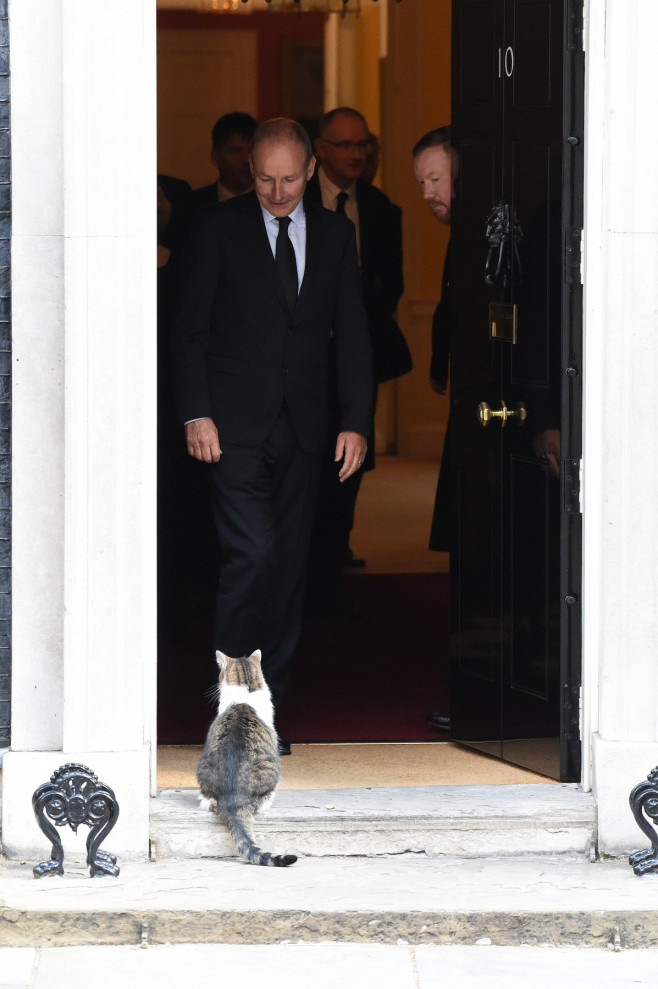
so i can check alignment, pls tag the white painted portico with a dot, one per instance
(84, 379)
(84, 426)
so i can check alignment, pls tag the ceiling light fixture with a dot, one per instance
(298, 6)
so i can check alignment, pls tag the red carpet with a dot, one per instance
(372, 679)
(377, 678)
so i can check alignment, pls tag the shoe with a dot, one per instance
(353, 562)
(284, 746)
(440, 722)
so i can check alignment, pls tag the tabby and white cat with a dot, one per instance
(239, 768)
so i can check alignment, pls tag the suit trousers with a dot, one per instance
(264, 501)
(330, 539)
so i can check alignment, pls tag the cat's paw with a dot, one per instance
(267, 802)
(207, 803)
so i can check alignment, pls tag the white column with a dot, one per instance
(84, 317)
(340, 57)
(621, 440)
(331, 57)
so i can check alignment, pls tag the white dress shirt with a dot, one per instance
(296, 232)
(330, 193)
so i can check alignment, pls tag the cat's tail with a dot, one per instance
(249, 851)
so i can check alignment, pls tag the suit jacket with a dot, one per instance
(442, 326)
(179, 194)
(380, 225)
(239, 352)
(205, 196)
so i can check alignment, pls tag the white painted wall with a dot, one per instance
(38, 377)
(84, 468)
(621, 442)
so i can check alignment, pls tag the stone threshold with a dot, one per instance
(468, 821)
(414, 899)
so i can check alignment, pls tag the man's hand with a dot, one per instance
(351, 449)
(203, 440)
(547, 446)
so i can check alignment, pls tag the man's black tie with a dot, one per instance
(285, 261)
(341, 199)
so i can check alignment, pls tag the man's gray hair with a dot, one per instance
(281, 130)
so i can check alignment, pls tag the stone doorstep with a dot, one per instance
(436, 865)
(415, 899)
(470, 822)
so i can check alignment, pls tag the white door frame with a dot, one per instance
(84, 376)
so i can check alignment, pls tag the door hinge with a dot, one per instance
(573, 255)
(575, 25)
(572, 488)
(572, 712)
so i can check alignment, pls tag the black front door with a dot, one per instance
(515, 390)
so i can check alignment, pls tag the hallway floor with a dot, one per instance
(391, 531)
(344, 765)
(393, 516)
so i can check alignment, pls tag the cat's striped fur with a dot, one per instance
(239, 768)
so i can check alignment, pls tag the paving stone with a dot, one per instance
(16, 967)
(209, 966)
(540, 968)
(333, 966)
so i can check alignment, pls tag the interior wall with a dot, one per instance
(368, 80)
(209, 64)
(415, 99)
(201, 75)
(357, 41)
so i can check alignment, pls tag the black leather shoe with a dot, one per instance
(440, 722)
(284, 746)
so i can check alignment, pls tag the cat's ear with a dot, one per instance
(222, 660)
(256, 656)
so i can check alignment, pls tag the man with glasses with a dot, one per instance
(342, 146)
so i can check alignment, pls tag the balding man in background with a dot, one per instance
(343, 144)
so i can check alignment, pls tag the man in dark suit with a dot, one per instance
(267, 281)
(231, 147)
(436, 168)
(343, 144)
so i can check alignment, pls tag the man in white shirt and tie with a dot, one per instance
(267, 281)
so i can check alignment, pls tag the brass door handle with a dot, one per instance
(486, 413)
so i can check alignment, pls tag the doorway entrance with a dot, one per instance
(515, 574)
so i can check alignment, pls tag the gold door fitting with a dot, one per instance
(486, 413)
